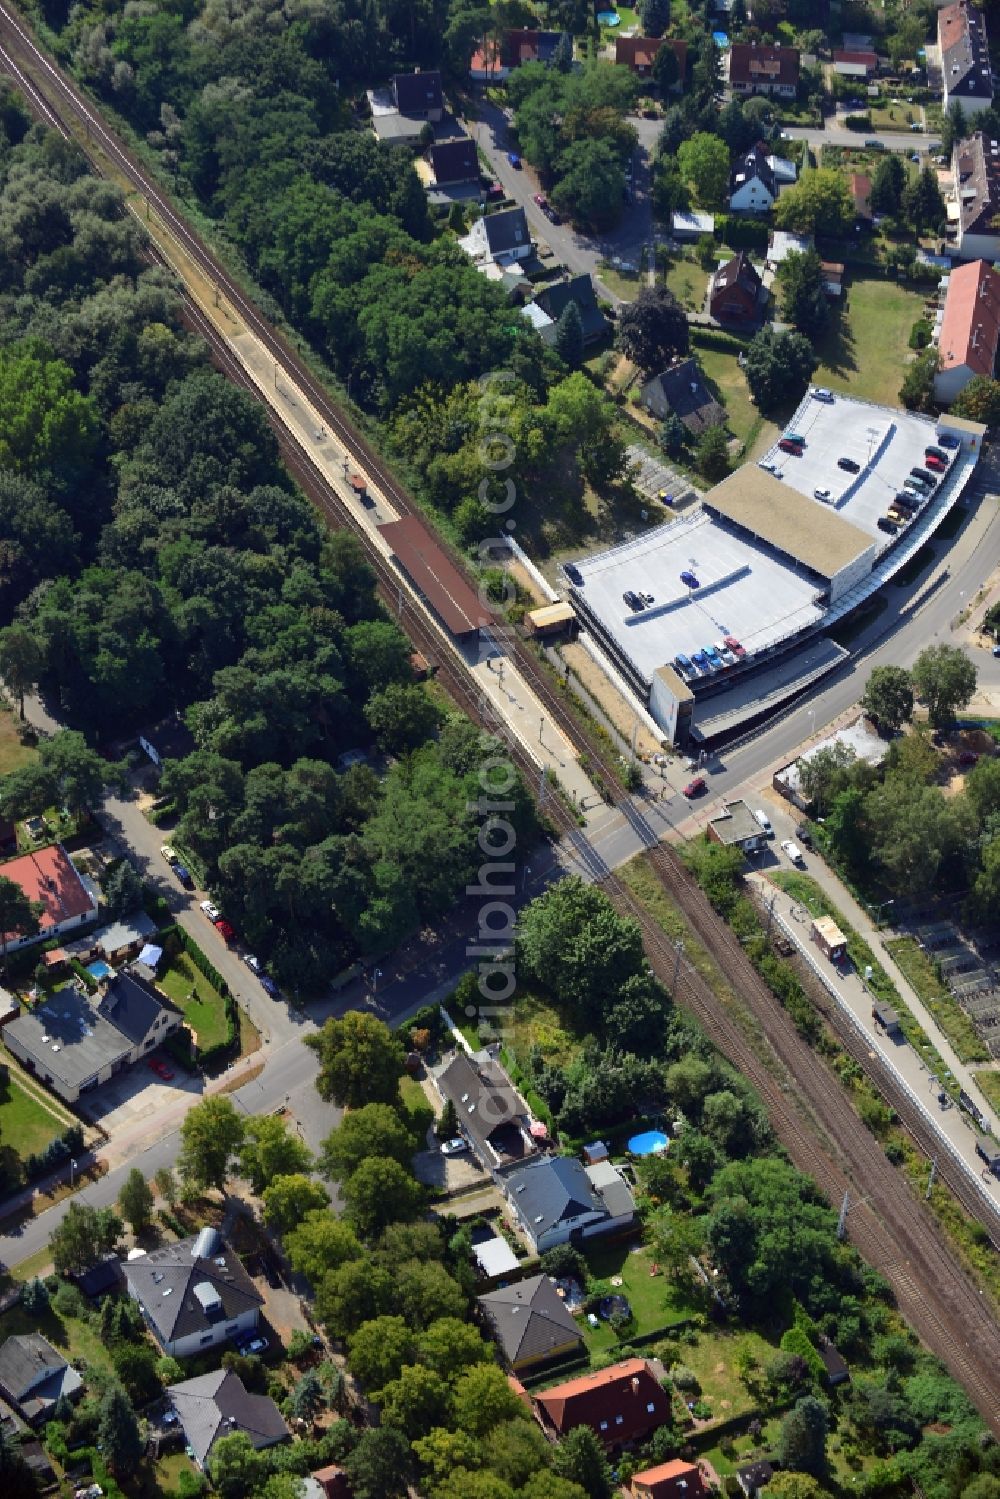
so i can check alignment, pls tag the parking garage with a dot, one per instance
(733, 597)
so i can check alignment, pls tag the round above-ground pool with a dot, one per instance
(650, 1142)
(608, 18)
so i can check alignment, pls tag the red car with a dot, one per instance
(934, 464)
(160, 1068)
(225, 929)
(734, 645)
(695, 787)
(541, 200)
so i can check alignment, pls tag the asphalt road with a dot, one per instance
(580, 253)
(838, 135)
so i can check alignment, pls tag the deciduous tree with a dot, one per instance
(979, 401)
(704, 162)
(653, 328)
(270, 1149)
(946, 681)
(361, 1061)
(287, 1200)
(888, 697)
(380, 1191)
(803, 298)
(778, 367)
(802, 1439)
(135, 1201)
(819, 203)
(121, 1440)
(580, 1458)
(83, 1236)
(320, 1243)
(211, 1135)
(378, 1350)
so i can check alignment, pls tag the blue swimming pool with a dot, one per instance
(99, 969)
(650, 1142)
(608, 18)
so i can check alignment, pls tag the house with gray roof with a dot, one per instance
(219, 1405)
(121, 938)
(194, 1294)
(579, 289)
(558, 1200)
(75, 1042)
(499, 238)
(531, 1323)
(455, 161)
(34, 1375)
(682, 390)
(492, 1115)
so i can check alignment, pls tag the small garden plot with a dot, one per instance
(626, 1272)
(13, 754)
(26, 1125)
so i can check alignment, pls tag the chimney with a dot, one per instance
(635, 1384)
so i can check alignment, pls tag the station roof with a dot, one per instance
(794, 525)
(427, 564)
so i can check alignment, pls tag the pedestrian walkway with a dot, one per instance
(783, 817)
(950, 1124)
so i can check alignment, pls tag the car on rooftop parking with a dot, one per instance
(826, 495)
(726, 655)
(788, 446)
(820, 393)
(886, 523)
(573, 573)
(689, 580)
(849, 465)
(948, 441)
(936, 465)
(734, 645)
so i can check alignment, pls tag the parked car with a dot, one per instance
(947, 441)
(256, 1344)
(804, 834)
(820, 393)
(169, 853)
(695, 787)
(211, 911)
(160, 1068)
(738, 650)
(924, 474)
(689, 580)
(721, 649)
(936, 465)
(454, 1146)
(826, 495)
(573, 573)
(514, 160)
(552, 214)
(768, 467)
(885, 523)
(996, 650)
(788, 446)
(183, 875)
(792, 850)
(541, 200)
(761, 816)
(850, 465)
(226, 930)
(682, 664)
(932, 452)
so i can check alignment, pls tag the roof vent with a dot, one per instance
(55, 1047)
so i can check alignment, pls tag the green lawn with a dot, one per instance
(713, 1359)
(74, 1337)
(864, 350)
(989, 1083)
(895, 116)
(656, 1301)
(13, 754)
(948, 1013)
(688, 282)
(728, 384)
(26, 1124)
(203, 1007)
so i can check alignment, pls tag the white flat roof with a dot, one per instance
(746, 591)
(886, 443)
(495, 1257)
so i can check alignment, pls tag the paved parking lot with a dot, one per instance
(651, 475)
(887, 444)
(137, 1094)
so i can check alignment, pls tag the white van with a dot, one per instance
(764, 821)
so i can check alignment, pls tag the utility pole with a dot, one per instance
(931, 1178)
(678, 954)
(842, 1220)
(770, 916)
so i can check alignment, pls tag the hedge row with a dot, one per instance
(69, 1143)
(741, 233)
(714, 338)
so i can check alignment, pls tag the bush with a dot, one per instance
(920, 334)
(714, 338)
(685, 1379)
(68, 1301)
(741, 234)
(858, 122)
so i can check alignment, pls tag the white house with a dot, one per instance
(74, 1043)
(557, 1198)
(194, 1294)
(974, 211)
(752, 188)
(49, 877)
(499, 238)
(966, 71)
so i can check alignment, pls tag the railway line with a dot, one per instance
(808, 1108)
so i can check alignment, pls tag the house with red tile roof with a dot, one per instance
(638, 52)
(757, 69)
(674, 1480)
(620, 1404)
(862, 64)
(49, 876)
(970, 329)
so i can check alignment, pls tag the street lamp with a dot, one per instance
(883, 906)
(72, 1173)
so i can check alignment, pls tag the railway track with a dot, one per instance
(806, 1104)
